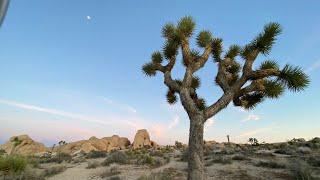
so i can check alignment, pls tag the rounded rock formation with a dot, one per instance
(23, 145)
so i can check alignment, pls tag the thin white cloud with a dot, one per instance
(88, 18)
(251, 117)
(208, 124)
(255, 132)
(53, 111)
(174, 122)
(313, 67)
(125, 107)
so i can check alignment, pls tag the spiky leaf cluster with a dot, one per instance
(251, 100)
(204, 39)
(195, 53)
(294, 78)
(247, 52)
(171, 97)
(266, 39)
(273, 88)
(186, 26)
(149, 69)
(233, 51)
(269, 64)
(216, 47)
(201, 103)
(170, 49)
(195, 83)
(157, 57)
(168, 31)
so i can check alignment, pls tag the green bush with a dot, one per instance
(2, 152)
(14, 164)
(27, 174)
(116, 157)
(96, 154)
(54, 170)
(146, 159)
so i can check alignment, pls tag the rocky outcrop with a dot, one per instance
(142, 139)
(23, 145)
(94, 144)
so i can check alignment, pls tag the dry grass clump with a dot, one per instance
(93, 164)
(54, 170)
(300, 170)
(15, 164)
(166, 174)
(219, 160)
(58, 158)
(239, 157)
(270, 164)
(118, 157)
(113, 171)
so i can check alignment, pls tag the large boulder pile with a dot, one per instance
(142, 139)
(94, 144)
(23, 145)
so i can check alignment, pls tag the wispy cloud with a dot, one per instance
(251, 117)
(313, 67)
(255, 132)
(125, 107)
(208, 124)
(174, 122)
(53, 111)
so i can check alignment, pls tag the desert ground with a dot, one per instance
(294, 159)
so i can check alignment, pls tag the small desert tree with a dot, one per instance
(241, 84)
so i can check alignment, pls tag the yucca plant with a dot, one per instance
(241, 84)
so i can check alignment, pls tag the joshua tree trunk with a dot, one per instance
(195, 161)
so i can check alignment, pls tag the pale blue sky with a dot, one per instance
(68, 76)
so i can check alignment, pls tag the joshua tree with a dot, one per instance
(241, 84)
(253, 141)
(228, 138)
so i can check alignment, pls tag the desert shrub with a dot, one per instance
(33, 161)
(270, 164)
(93, 164)
(146, 159)
(314, 161)
(239, 157)
(220, 160)
(300, 170)
(114, 178)
(54, 170)
(116, 157)
(27, 174)
(96, 154)
(288, 150)
(110, 172)
(156, 153)
(184, 155)
(2, 152)
(58, 158)
(14, 164)
(166, 174)
(178, 145)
